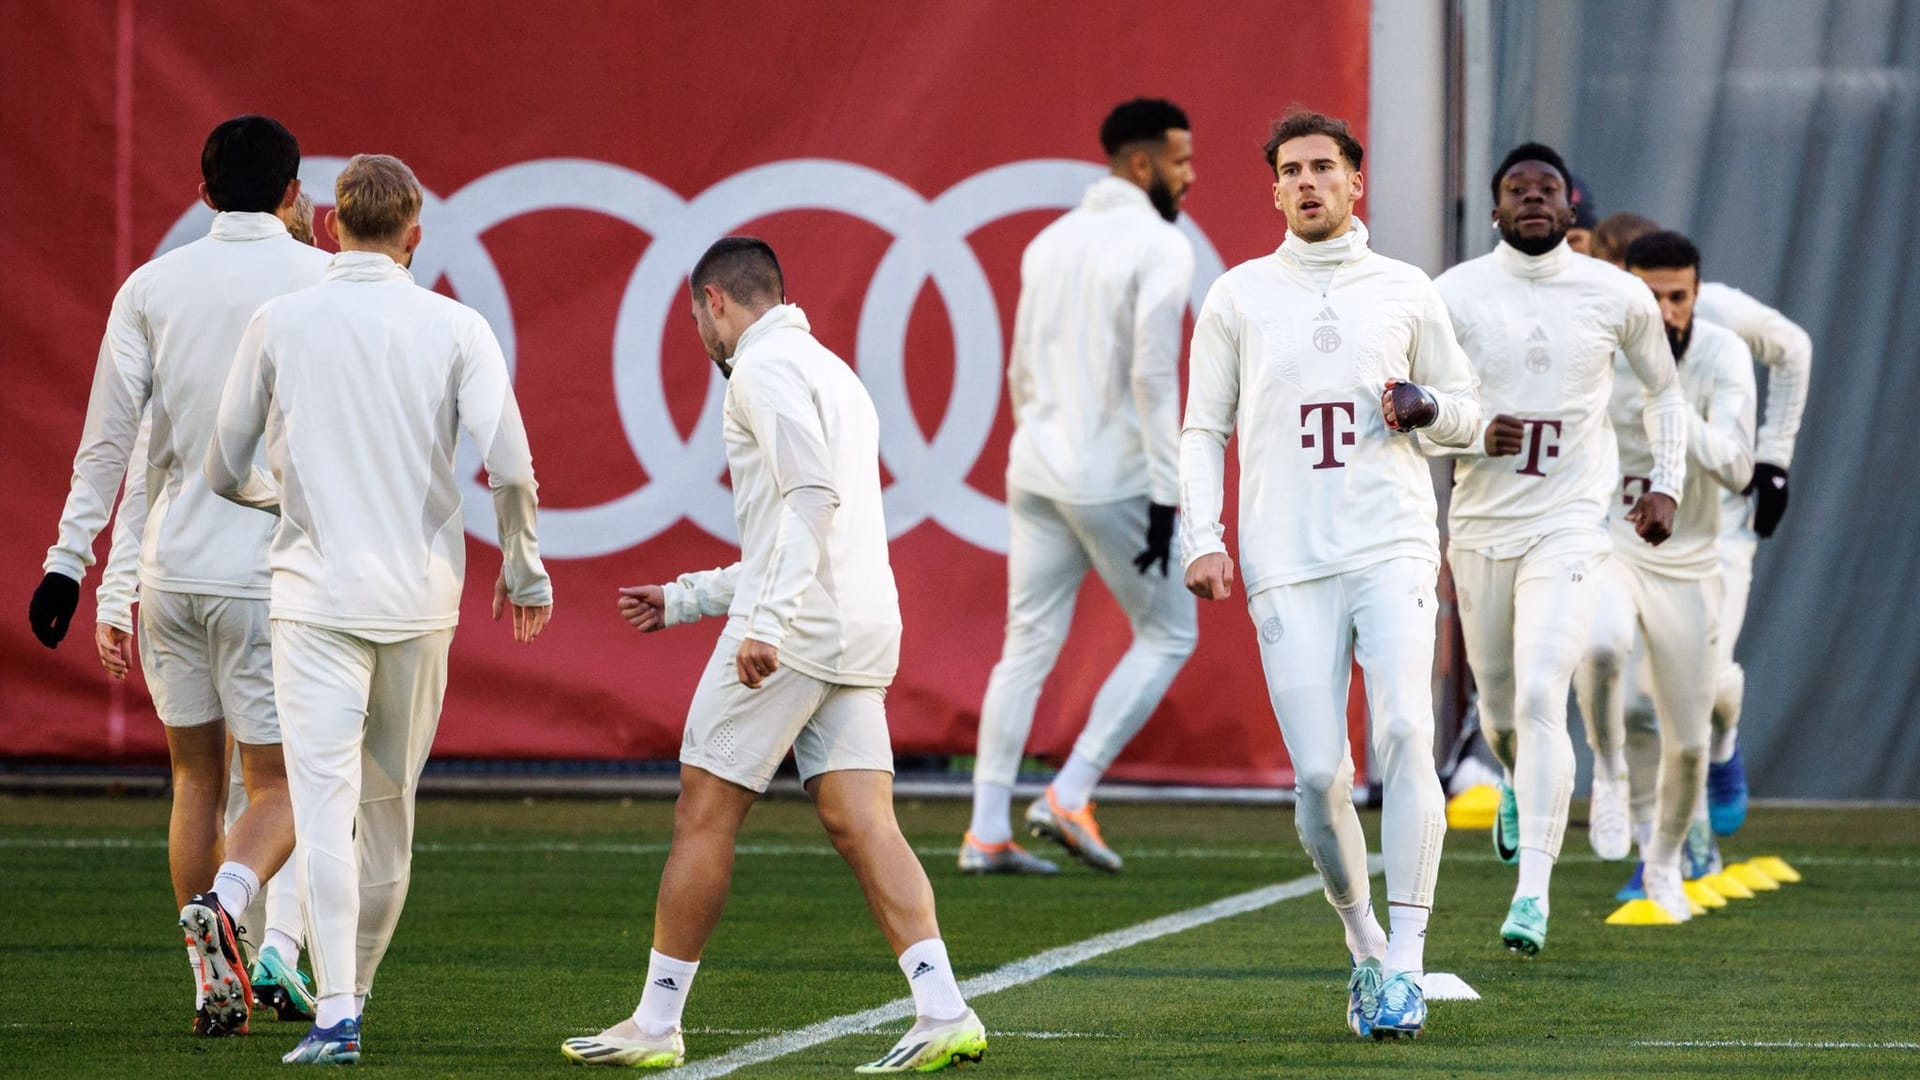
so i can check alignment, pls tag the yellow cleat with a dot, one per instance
(1776, 868)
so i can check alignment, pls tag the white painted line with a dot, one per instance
(1018, 973)
(1785, 1044)
(1445, 986)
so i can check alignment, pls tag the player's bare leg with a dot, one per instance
(198, 758)
(699, 870)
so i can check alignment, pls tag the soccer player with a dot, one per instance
(202, 563)
(1093, 469)
(1787, 352)
(1528, 517)
(1669, 596)
(1322, 355)
(811, 641)
(360, 386)
(1585, 216)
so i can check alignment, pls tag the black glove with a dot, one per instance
(1159, 539)
(51, 611)
(1769, 490)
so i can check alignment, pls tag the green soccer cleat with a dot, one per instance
(931, 1045)
(282, 987)
(1506, 827)
(1525, 930)
(1363, 997)
(625, 1045)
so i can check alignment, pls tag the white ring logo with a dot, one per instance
(930, 243)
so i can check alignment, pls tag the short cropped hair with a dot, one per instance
(1533, 151)
(376, 197)
(1142, 120)
(301, 227)
(1617, 232)
(247, 163)
(743, 267)
(1300, 122)
(1663, 251)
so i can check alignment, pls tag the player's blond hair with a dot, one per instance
(376, 197)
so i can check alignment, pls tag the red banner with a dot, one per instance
(579, 157)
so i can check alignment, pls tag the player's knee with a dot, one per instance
(1542, 702)
(1402, 729)
(1606, 660)
(1315, 780)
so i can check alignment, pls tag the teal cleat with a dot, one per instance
(1727, 794)
(1636, 886)
(337, 1045)
(1403, 1008)
(282, 987)
(1698, 852)
(1525, 930)
(1506, 827)
(1363, 997)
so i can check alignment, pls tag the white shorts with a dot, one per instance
(742, 735)
(209, 658)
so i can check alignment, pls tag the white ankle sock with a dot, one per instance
(332, 1009)
(1642, 836)
(359, 1004)
(930, 977)
(282, 942)
(665, 995)
(1536, 874)
(1407, 946)
(1724, 744)
(1074, 784)
(235, 885)
(1611, 766)
(1365, 939)
(992, 813)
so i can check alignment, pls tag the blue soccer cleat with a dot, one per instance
(1403, 1008)
(1727, 794)
(336, 1045)
(1636, 886)
(1363, 997)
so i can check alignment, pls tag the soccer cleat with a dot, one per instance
(978, 857)
(1636, 886)
(1609, 828)
(225, 988)
(337, 1045)
(624, 1044)
(1525, 930)
(1506, 827)
(1074, 830)
(1363, 997)
(1664, 888)
(1403, 1008)
(932, 1044)
(282, 987)
(1727, 794)
(1697, 853)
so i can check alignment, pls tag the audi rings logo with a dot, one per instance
(929, 243)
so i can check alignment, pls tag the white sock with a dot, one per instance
(1407, 946)
(1074, 784)
(199, 978)
(359, 1004)
(665, 994)
(282, 942)
(1611, 766)
(1365, 939)
(930, 977)
(1724, 744)
(992, 813)
(235, 886)
(332, 1009)
(1642, 836)
(1536, 872)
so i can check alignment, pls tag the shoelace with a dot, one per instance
(1397, 994)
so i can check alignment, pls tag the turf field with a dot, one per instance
(528, 922)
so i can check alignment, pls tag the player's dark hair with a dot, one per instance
(1667, 250)
(743, 267)
(1142, 120)
(1617, 232)
(1300, 122)
(248, 162)
(1532, 151)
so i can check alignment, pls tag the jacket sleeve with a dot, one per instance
(1439, 364)
(1213, 400)
(120, 582)
(699, 594)
(241, 423)
(1721, 442)
(1453, 310)
(490, 415)
(779, 409)
(122, 383)
(1159, 309)
(1643, 337)
(1786, 350)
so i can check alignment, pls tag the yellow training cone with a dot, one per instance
(1776, 868)
(1753, 877)
(1642, 913)
(1701, 895)
(1474, 808)
(1727, 886)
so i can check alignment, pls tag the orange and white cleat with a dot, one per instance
(1074, 830)
(1007, 857)
(227, 993)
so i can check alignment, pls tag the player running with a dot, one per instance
(1320, 356)
(1528, 519)
(359, 387)
(202, 563)
(1669, 596)
(811, 642)
(1093, 469)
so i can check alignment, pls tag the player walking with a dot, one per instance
(1319, 355)
(1094, 468)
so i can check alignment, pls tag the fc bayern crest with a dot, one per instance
(1271, 630)
(1326, 339)
(1539, 360)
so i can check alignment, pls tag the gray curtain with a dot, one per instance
(1782, 136)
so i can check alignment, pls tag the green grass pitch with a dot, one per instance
(529, 922)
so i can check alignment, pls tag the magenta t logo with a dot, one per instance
(1538, 446)
(1329, 426)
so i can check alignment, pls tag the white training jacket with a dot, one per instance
(803, 449)
(168, 349)
(1716, 378)
(1780, 344)
(1541, 331)
(1094, 371)
(360, 387)
(1293, 351)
